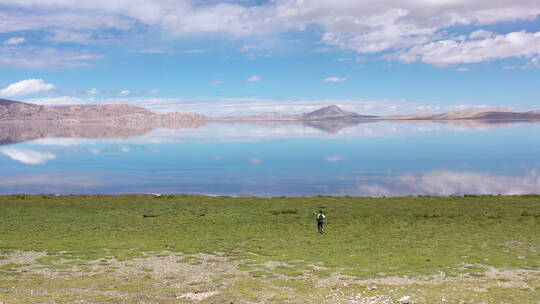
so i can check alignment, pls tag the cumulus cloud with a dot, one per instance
(26, 87)
(481, 34)
(93, 91)
(14, 40)
(335, 79)
(254, 79)
(27, 156)
(370, 26)
(123, 93)
(447, 52)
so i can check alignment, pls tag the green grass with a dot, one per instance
(365, 237)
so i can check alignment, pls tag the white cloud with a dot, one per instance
(321, 50)
(171, 52)
(154, 91)
(26, 87)
(14, 40)
(334, 159)
(253, 56)
(481, 34)
(215, 82)
(447, 52)
(44, 58)
(254, 79)
(27, 156)
(370, 26)
(248, 47)
(335, 79)
(62, 23)
(123, 93)
(93, 91)
(156, 51)
(63, 101)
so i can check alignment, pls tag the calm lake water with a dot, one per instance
(273, 159)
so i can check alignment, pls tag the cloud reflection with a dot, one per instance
(255, 160)
(27, 156)
(334, 159)
(443, 182)
(54, 134)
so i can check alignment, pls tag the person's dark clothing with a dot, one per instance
(320, 222)
(320, 226)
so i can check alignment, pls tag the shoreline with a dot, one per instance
(159, 195)
(75, 120)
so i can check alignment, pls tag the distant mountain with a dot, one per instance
(531, 115)
(327, 113)
(331, 113)
(479, 114)
(120, 113)
(13, 111)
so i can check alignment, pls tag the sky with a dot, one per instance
(233, 57)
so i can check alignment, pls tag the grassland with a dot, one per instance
(186, 249)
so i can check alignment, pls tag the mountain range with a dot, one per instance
(479, 113)
(14, 110)
(120, 113)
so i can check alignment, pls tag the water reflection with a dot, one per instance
(27, 156)
(14, 132)
(366, 158)
(442, 182)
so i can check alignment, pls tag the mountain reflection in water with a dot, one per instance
(273, 158)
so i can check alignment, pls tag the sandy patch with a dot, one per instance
(275, 264)
(21, 257)
(196, 296)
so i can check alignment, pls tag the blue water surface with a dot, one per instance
(367, 159)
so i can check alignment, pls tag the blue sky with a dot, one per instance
(243, 57)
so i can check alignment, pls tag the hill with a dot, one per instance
(14, 110)
(480, 114)
(332, 112)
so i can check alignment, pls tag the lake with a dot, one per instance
(373, 158)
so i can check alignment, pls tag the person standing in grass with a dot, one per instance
(320, 221)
